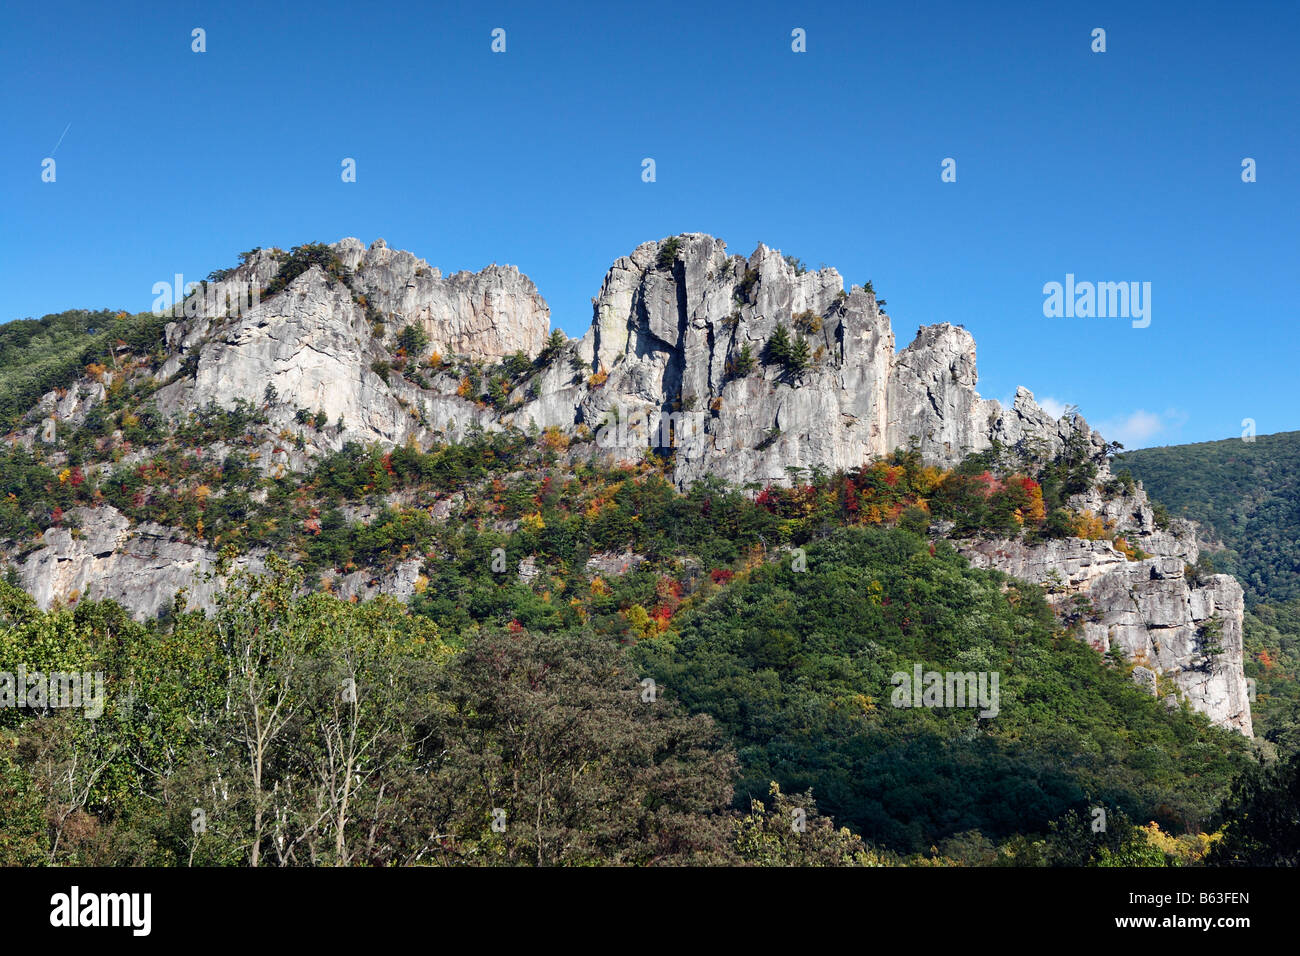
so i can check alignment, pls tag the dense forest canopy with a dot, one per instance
(797, 667)
(38, 355)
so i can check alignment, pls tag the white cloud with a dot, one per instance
(1139, 428)
(1053, 407)
(1136, 430)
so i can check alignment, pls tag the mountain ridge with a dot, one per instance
(754, 372)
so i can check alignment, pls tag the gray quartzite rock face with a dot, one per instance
(139, 567)
(667, 335)
(485, 315)
(313, 346)
(665, 339)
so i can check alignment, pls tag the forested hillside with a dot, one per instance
(444, 737)
(796, 666)
(643, 674)
(37, 355)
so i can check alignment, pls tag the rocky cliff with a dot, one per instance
(674, 320)
(665, 355)
(1183, 632)
(314, 347)
(677, 359)
(142, 567)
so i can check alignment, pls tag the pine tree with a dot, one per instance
(799, 356)
(744, 362)
(778, 346)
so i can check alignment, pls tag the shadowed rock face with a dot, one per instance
(663, 356)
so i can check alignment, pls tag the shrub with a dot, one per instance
(1090, 526)
(554, 439)
(498, 392)
(808, 321)
(915, 519)
(516, 364)
(300, 259)
(746, 286)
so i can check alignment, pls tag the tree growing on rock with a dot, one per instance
(414, 340)
(791, 354)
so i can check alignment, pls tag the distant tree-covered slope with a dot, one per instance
(1246, 493)
(1273, 663)
(37, 355)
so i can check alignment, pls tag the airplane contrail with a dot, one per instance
(60, 142)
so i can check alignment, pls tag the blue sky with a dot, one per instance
(1115, 166)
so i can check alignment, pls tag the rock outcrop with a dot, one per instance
(677, 323)
(485, 315)
(312, 348)
(106, 559)
(675, 357)
(1149, 607)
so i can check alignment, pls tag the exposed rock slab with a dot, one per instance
(139, 567)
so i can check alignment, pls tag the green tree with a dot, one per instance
(668, 253)
(414, 340)
(744, 363)
(555, 344)
(793, 833)
(778, 346)
(1261, 818)
(553, 739)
